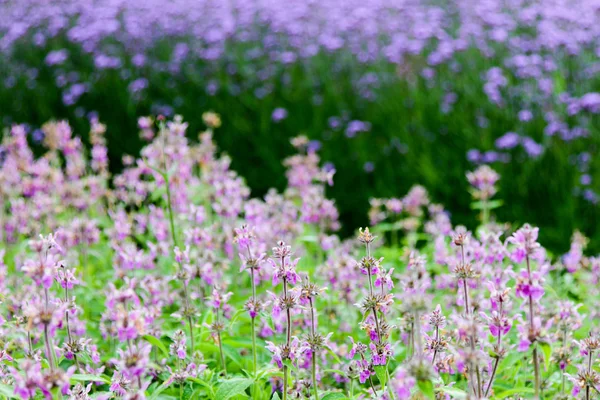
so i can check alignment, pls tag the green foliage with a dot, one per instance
(334, 396)
(427, 388)
(233, 387)
(411, 140)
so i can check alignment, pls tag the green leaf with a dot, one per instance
(456, 393)
(334, 371)
(232, 387)
(159, 390)
(89, 378)
(204, 384)
(275, 396)
(8, 391)
(426, 387)
(334, 396)
(381, 372)
(547, 349)
(517, 390)
(157, 343)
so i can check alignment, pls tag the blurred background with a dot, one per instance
(392, 92)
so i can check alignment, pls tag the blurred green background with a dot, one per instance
(412, 139)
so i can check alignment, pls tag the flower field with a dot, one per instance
(173, 283)
(273, 200)
(394, 92)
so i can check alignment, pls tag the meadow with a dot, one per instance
(395, 93)
(176, 284)
(328, 200)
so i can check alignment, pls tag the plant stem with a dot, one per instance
(489, 386)
(285, 382)
(485, 212)
(587, 387)
(536, 364)
(186, 300)
(314, 375)
(49, 350)
(170, 209)
(476, 385)
(254, 346)
(437, 337)
(69, 328)
(223, 365)
(314, 352)
(253, 284)
(288, 335)
(497, 358)
(191, 325)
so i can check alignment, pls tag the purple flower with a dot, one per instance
(356, 126)
(138, 85)
(56, 57)
(532, 148)
(508, 141)
(525, 115)
(279, 114)
(590, 102)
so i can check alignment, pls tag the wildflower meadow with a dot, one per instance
(277, 200)
(172, 282)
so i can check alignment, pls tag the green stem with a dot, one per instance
(285, 382)
(351, 389)
(190, 323)
(49, 350)
(485, 212)
(536, 364)
(222, 354)
(314, 375)
(170, 209)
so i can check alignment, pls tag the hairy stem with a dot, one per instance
(49, 351)
(536, 362)
(69, 328)
(288, 335)
(314, 354)
(223, 365)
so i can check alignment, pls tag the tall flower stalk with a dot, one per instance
(529, 287)
(374, 306)
(218, 302)
(244, 237)
(188, 311)
(464, 272)
(285, 271)
(499, 326)
(315, 342)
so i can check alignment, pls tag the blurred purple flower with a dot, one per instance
(532, 148)
(139, 60)
(473, 155)
(357, 126)
(508, 141)
(525, 115)
(590, 102)
(56, 57)
(138, 85)
(585, 179)
(590, 196)
(313, 146)
(103, 61)
(279, 114)
(334, 122)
